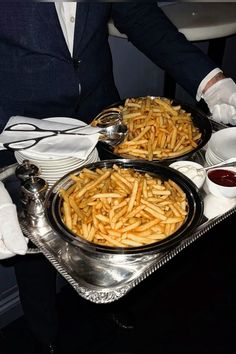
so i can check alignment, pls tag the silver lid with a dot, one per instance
(35, 186)
(26, 170)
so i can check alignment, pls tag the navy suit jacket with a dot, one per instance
(38, 77)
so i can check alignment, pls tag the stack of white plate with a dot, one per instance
(54, 167)
(221, 146)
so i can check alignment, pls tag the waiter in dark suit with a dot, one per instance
(55, 60)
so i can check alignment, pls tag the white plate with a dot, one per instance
(55, 166)
(56, 172)
(210, 161)
(55, 162)
(52, 163)
(213, 157)
(36, 156)
(52, 176)
(223, 143)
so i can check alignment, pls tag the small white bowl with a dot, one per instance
(219, 190)
(192, 170)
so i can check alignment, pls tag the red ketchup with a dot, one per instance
(222, 177)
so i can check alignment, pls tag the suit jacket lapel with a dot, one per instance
(80, 23)
(49, 17)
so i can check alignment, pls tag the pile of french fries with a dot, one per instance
(157, 129)
(120, 207)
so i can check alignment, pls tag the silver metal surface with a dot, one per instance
(108, 117)
(26, 170)
(109, 267)
(111, 122)
(57, 252)
(76, 265)
(114, 134)
(226, 163)
(32, 193)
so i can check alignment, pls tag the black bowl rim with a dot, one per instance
(193, 219)
(199, 118)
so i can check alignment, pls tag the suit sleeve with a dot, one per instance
(149, 29)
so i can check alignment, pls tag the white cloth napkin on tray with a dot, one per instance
(12, 240)
(65, 145)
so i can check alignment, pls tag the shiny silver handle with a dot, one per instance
(226, 163)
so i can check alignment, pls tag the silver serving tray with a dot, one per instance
(58, 251)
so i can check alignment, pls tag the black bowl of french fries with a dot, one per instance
(123, 206)
(159, 129)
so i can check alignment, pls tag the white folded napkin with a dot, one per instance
(215, 206)
(65, 145)
(12, 240)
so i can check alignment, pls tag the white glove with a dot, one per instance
(12, 240)
(221, 101)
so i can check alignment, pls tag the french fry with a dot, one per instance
(120, 207)
(107, 195)
(67, 214)
(157, 129)
(133, 196)
(93, 184)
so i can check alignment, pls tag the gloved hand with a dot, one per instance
(12, 240)
(221, 101)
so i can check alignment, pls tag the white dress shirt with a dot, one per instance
(66, 12)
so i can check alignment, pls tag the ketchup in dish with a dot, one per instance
(222, 177)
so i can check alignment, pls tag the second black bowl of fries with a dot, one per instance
(159, 129)
(124, 207)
